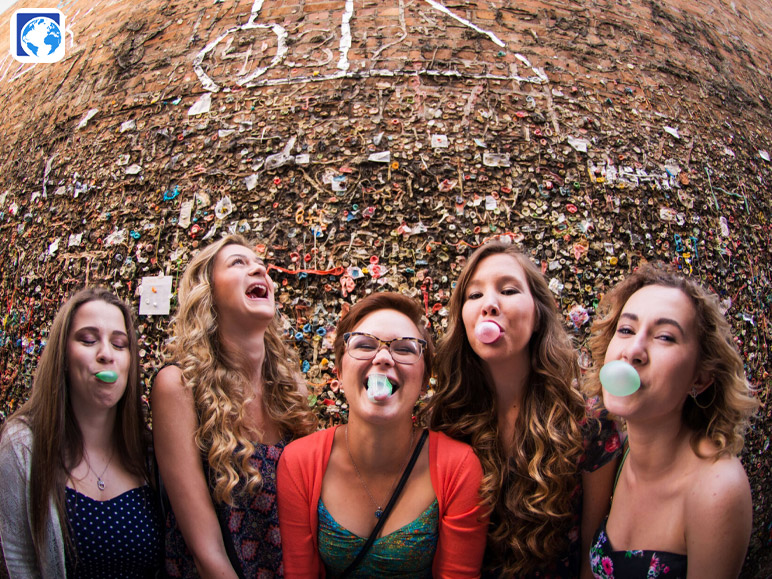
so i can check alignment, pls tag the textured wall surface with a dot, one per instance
(372, 144)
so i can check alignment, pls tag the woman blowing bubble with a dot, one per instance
(75, 500)
(222, 415)
(418, 503)
(507, 385)
(681, 494)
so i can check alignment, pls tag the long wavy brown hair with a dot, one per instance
(720, 413)
(220, 382)
(528, 482)
(57, 442)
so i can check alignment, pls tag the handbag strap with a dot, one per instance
(387, 511)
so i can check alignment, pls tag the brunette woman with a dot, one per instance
(335, 485)
(75, 500)
(222, 413)
(682, 494)
(507, 385)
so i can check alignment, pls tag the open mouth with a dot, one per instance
(257, 291)
(380, 387)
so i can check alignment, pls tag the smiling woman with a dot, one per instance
(78, 449)
(223, 410)
(418, 504)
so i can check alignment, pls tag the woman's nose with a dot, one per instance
(383, 356)
(105, 352)
(490, 306)
(635, 352)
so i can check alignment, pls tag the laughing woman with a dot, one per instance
(335, 486)
(75, 500)
(681, 494)
(223, 411)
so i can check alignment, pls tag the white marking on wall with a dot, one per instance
(343, 65)
(495, 39)
(345, 35)
(281, 50)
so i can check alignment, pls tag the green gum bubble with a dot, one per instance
(108, 376)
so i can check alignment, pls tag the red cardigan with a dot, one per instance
(455, 472)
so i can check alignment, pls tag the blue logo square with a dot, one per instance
(37, 35)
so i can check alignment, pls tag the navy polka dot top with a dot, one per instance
(117, 538)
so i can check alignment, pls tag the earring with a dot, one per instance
(694, 395)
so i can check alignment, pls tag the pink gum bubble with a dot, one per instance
(487, 332)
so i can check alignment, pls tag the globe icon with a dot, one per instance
(41, 36)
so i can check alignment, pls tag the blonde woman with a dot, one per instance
(682, 494)
(507, 385)
(223, 411)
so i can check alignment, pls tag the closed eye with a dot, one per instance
(510, 291)
(407, 349)
(474, 296)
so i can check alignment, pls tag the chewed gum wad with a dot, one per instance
(378, 387)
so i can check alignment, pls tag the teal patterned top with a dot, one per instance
(407, 552)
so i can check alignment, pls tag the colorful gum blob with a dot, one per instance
(378, 387)
(487, 332)
(619, 378)
(108, 376)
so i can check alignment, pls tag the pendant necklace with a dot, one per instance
(100, 482)
(378, 508)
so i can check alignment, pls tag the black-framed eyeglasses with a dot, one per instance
(361, 346)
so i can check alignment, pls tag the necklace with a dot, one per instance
(100, 482)
(378, 508)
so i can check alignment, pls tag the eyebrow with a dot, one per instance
(657, 322)
(504, 278)
(245, 256)
(97, 330)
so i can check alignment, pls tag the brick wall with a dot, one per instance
(596, 135)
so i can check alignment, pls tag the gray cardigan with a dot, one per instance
(16, 510)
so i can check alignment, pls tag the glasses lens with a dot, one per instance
(362, 347)
(407, 350)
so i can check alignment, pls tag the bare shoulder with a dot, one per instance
(720, 486)
(167, 384)
(718, 517)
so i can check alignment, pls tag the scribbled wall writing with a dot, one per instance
(319, 54)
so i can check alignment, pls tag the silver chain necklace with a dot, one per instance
(378, 508)
(100, 482)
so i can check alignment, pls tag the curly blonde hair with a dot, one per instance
(220, 383)
(530, 492)
(720, 413)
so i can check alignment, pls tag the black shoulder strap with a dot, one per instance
(387, 511)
